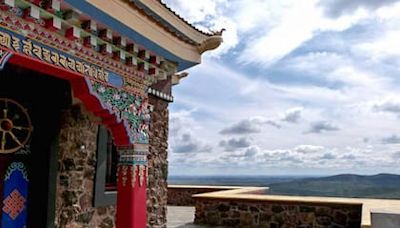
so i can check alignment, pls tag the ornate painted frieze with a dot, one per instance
(132, 110)
(142, 174)
(133, 155)
(126, 98)
(34, 49)
(132, 165)
(160, 95)
(133, 170)
(134, 175)
(64, 29)
(130, 106)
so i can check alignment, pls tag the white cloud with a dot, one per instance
(396, 155)
(196, 11)
(251, 152)
(322, 126)
(383, 48)
(208, 16)
(315, 62)
(235, 143)
(287, 62)
(279, 40)
(389, 105)
(336, 8)
(393, 139)
(249, 126)
(270, 30)
(287, 34)
(242, 127)
(292, 115)
(328, 156)
(182, 133)
(307, 149)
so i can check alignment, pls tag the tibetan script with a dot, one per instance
(31, 49)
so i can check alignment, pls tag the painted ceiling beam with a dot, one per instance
(132, 24)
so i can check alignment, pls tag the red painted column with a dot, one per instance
(132, 185)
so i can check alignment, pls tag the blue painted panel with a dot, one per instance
(115, 80)
(15, 197)
(109, 21)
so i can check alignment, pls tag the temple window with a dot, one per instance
(112, 164)
(106, 169)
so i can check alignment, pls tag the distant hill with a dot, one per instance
(261, 181)
(345, 185)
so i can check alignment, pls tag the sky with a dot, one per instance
(307, 87)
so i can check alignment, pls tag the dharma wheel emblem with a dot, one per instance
(15, 126)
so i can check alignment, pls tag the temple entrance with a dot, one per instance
(30, 109)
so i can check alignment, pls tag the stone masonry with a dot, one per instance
(260, 214)
(158, 165)
(182, 195)
(76, 174)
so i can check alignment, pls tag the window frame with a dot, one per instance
(102, 197)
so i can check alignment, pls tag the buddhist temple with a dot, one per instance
(84, 93)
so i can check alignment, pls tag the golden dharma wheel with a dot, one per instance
(15, 126)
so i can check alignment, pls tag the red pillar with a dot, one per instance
(132, 185)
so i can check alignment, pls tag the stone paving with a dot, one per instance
(182, 217)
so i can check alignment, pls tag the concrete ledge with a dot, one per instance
(170, 186)
(181, 195)
(256, 194)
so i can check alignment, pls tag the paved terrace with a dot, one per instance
(179, 216)
(182, 217)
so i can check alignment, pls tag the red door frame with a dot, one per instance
(131, 199)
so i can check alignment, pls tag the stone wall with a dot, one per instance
(76, 174)
(234, 213)
(158, 165)
(182, 195)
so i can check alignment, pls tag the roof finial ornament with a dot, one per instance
(218, 33)
(177, 77)
(212, 42)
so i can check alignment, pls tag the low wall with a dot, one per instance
(238, 208)
(283, 214)
(181, 195)
(251, 207)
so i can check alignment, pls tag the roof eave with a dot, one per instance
(131, 23)
(169, 18)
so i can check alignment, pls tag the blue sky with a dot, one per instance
(298, 87)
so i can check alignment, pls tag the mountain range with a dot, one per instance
(384, 186)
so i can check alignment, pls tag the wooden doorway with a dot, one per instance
(27, 179)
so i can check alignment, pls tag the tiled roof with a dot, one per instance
(184, 20)
(166, 24)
